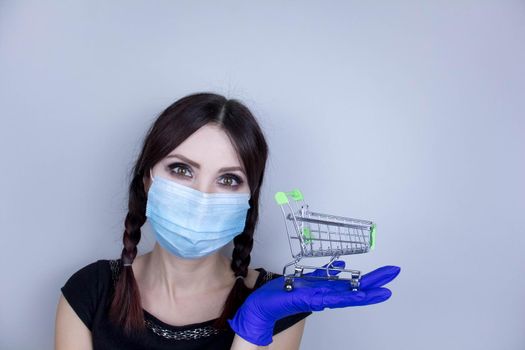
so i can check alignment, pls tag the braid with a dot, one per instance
(126, 308)
(131, 238)
(243, 244)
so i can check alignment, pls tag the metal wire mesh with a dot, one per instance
(328, 235)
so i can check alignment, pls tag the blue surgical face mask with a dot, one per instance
(190, 223)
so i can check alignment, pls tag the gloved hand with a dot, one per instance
(256, 317)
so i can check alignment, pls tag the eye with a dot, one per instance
(180, 169)
(230, 179)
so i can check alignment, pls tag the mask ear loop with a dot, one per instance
(151, 175)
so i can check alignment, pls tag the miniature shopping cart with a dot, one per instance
(313, 234)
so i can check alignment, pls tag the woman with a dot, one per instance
(197, 181)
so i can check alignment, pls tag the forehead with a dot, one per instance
(209, 146)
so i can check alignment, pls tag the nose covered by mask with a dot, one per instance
(190, 223)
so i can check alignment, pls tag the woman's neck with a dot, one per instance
(177, 278)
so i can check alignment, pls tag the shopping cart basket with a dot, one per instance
(313, 234)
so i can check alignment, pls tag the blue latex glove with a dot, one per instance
(256, 317)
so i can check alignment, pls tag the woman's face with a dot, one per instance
(205, 161)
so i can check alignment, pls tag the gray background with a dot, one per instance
(408, 113)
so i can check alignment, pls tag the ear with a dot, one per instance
(146, 181)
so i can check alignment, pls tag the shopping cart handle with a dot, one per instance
(282, 197)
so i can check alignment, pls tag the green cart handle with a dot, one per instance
(282, 197)
(373, 236)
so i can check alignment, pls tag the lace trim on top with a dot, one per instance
(157, 326)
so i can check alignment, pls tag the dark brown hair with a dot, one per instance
(176, 123)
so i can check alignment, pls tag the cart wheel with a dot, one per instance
(288, 285)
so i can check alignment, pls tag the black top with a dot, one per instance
(89, 292)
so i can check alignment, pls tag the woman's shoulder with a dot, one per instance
(93, 276)
(263, 276)
(85, 288)
(95, 270)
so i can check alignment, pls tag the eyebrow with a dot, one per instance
(197, 165)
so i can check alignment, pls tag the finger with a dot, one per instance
(336, 299)
(322, 298)
(377, 295)
(379, 277)
(322, 272)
